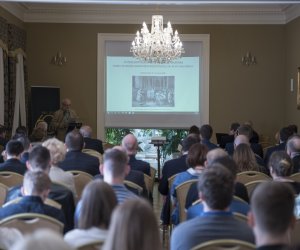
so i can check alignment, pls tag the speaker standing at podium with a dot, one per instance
(62, 118)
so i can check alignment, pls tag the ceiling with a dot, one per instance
(133, 11)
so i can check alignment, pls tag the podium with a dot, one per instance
(158, 142)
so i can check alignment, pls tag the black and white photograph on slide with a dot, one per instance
(153, 91)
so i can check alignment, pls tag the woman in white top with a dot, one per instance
(98, 202)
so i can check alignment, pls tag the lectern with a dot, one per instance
(158, 142)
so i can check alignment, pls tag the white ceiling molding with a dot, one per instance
(136, 14)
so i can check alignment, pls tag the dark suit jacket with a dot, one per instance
(139, 165)
(94, 144)
(296, 163)
(13, 165)
(60, 194)
(256, 148)
(170, 168)
(270, 150)
(76, 160)
(32, 204)
(226, 139)
(208, 144)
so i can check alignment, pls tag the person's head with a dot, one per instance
(206, 132)
(188, 141)
(42, 239)
(42, 126)
(245, 130)
(214, 154)
(226, 162)
(57, 150)
(272, 211)
(74, 141)
(98, 201)
(293, 145)
(233, 127)
(133, 227)
(194, 130)
(215, 187)
(280, 164)
(244, 158)
(36, 183)
(197, 155)
(293, 128)
(14, 148)
(86, 131)
(115, 165)
(65, 104)
(39, 159)
(241, 139)
(284, 134)
(130, 144)
(25, 141)
(22, 130)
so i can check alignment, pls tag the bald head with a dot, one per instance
(86, 131)
(293, 146)
(215, 154)
(130, 144)
(241, 139)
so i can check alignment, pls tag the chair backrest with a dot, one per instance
(29, 222)
(93, 153)
(91, 246)
(248, 176)
(48, 201)
(3, 193)
(148, 183)
(295, 177)
(181, 193)
(81, 179)
(171, 180)
(252, 185)
(153, 175)
(240, 217)
(135, 186)
(11, 179)
(225, 244)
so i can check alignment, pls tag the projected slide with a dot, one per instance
(133, 86)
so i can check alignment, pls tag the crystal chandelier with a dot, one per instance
(162, 45)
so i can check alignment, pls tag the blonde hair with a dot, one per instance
(245, 158)
(133, 227)
(57, 150)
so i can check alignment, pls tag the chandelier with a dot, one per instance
(159, 46)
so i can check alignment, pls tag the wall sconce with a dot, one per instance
(59, 59)
(248, 59)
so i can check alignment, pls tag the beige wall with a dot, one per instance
(237, 93)
(292, 36)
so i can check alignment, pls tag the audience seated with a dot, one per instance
(133, 227)
(39, 133)
(27, 147)
(75, 159)
(130, 144)
(271, 216)
(39, 160)
(171, 168)
(57, 152)
(89, 142)
(236, 204)
(247, 131)
(42, 239)
(281, 167)
(195, 160)
(284, 135)
(206, 133)
(36, 186)
(98, 201)
(293, 150)
(194, 130)
(216, 185)
(255, 137)
(220, 156)
(13, 152)
(231, 135)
